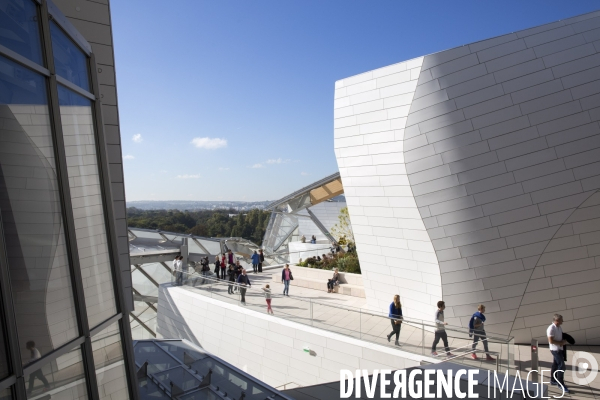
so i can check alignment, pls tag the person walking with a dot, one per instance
(476, 327)
(244, 282)
(238, 271)
(224, 260)
(267, 290)
(313, 240)
(231, 273)
(333, 281)
(35, 355)
(217, 270)
(261, 260)
(230, 257)
(556, 344)
(286, 277)
(440, 330)
(255, 261)
(395, 315)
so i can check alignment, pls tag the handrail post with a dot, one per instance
(422, 338)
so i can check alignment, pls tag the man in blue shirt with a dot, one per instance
(243, 282)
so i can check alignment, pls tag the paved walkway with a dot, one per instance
(348, 315)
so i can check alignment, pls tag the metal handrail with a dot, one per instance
(355, 309)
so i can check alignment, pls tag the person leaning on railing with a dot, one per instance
(396, 319)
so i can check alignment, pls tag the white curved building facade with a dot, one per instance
(472, 175)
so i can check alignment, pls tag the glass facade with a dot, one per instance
(20, 29)
(62, 331)
(62, 378)
(69, 61)
(86, 199)
(32, 214)
(109, 363)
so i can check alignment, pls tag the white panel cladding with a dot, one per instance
(270, 349)
(371, 149)
(501, 147)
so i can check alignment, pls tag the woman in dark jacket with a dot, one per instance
(286, 277)
(217, 266)
(395, 318)
(231, 274)
(261, 259)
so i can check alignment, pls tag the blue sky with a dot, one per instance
(233, 100)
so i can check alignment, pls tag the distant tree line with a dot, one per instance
(250, 225)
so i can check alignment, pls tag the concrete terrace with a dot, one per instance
(349, 315)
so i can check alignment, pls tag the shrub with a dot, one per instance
(345, 262)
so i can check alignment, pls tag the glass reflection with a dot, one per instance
(109, 364)
(19, 28)
(4, 370)
(5, 394)
(70, 62)
(31, 214)
(62, 378)
(84, 181)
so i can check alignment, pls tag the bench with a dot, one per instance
(313, 278)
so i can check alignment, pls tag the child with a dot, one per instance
(267, 290)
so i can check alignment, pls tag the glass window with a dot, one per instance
(61, 378)
(109, 364)
(4, 369)
(180, 377)
(84, 181)
(19, 28)
(5, 394)
(70, 62)
(32, 215)
(157, 359)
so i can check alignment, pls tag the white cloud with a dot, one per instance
(303, 173)
(186, 176)
(209, 143)
(223, 169)
(137, 138)
(128, 157)
(257, 166)
(277, 161)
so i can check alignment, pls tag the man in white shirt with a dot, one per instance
(556, 343)
(35, 355)
(177, 269)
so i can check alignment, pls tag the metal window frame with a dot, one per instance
(47, 12)
(109, 217)
(67, 209)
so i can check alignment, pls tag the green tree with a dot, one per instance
(342, 231)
